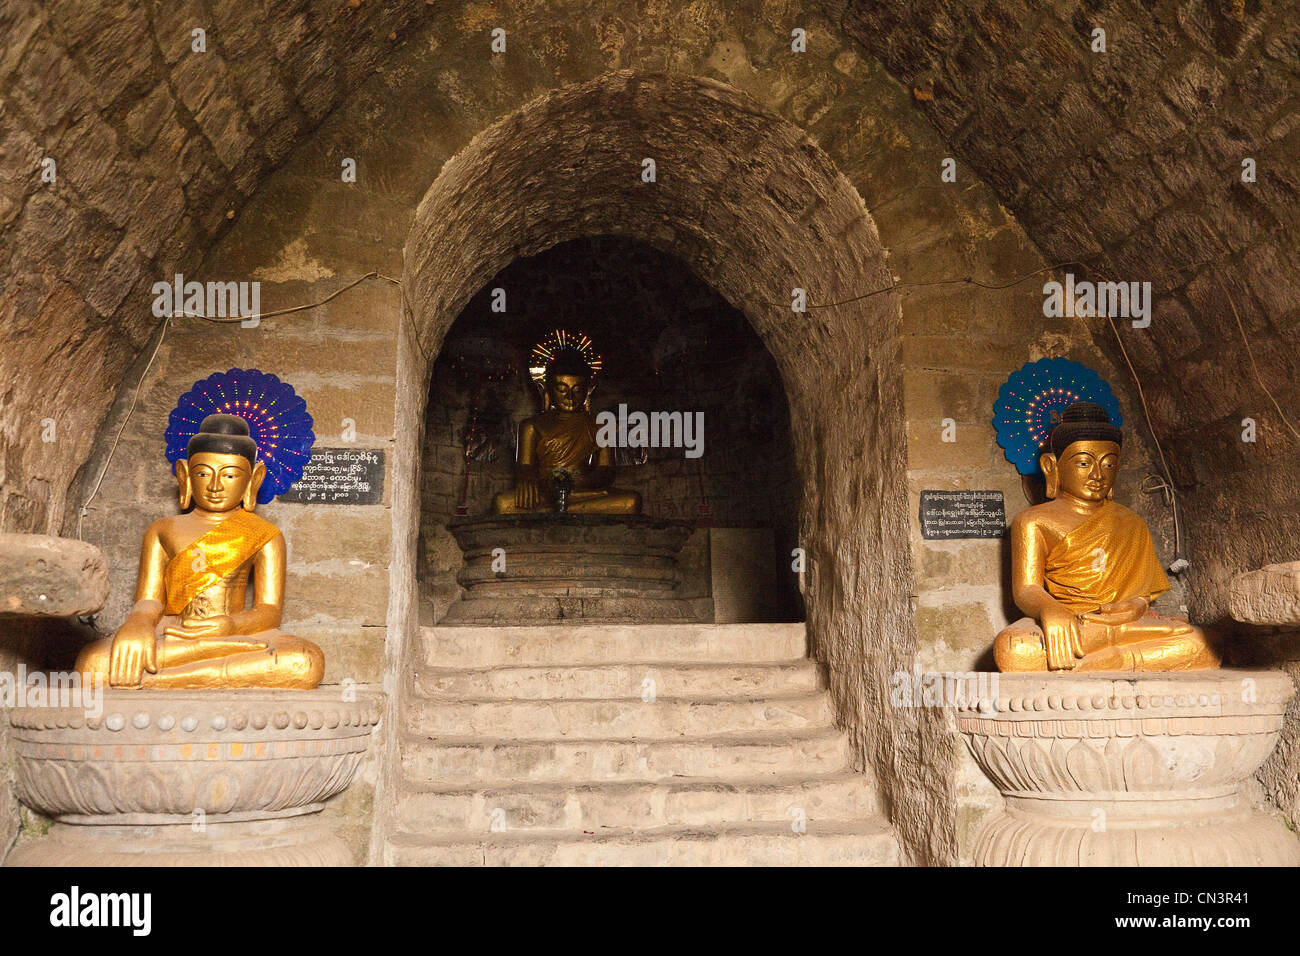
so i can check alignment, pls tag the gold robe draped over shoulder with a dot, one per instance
(1108, 558)
(220, 552)
(567, 444)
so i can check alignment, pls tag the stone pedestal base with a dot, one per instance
(587, 568)
(176, 778)
(294, 841)
(1129, 770)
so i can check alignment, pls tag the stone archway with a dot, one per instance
(756, 209)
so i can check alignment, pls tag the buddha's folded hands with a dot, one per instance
(1118, 612)
(218, 625)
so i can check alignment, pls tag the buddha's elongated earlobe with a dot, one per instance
(1047, 461)
(254, 483)
(185, 495)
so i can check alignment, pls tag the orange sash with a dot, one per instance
(1108, 558)
(217, 554)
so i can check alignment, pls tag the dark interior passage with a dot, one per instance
(668, 343)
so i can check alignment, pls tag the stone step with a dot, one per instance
(470, 646)
(664, 717)
(705, 681)
(866, 842)
(451, 760)
(638, 805)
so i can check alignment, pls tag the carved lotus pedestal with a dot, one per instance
(181, 778)
(1138, 770)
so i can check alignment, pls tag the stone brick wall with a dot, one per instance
(138, 205)
(1131, 162)
(156, 149)
(161, 150)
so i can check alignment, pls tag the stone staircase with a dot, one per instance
(705, 744)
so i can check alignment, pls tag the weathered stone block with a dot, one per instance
(338, 589)
(368, 404)
(1270, 595)
(51, 577)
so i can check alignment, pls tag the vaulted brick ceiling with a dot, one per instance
(1131, 160)
(1128, 160)
(155, 150)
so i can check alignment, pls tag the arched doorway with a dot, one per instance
(756, 210)
(668, 343)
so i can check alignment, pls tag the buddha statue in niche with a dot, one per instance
(1084, 569)
(560, 443)
(190, 626)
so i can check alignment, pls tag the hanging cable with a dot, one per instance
(220, 320)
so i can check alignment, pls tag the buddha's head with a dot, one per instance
(220, 471)
(568, 381)
(1085, 454)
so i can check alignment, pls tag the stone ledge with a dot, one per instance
(186, 711)
(1207, 693)
(47, 576)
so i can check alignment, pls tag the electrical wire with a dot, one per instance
(220, 320)
(1165, 480)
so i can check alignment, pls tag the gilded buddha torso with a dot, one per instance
(564, 440)
(209, 562)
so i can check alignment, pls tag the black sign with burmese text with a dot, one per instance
(962, 514)
(340, 476)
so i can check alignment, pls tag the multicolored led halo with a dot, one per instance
(545, 350)
(1030, 403)
(276, 415)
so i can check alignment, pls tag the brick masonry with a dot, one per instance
(229, 167)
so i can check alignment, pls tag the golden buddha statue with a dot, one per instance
(1085, 570)
(189, 626)
(560, 443)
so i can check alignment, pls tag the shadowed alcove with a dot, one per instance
(668, 343)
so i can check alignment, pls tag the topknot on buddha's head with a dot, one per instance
(1083, 421)
(568, 361)
(223, 435)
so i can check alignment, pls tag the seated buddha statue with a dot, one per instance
(190, 626)
(1084, 569)
(562, 440)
